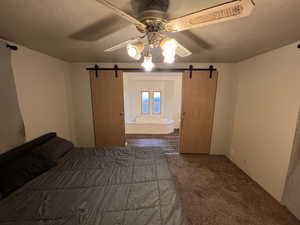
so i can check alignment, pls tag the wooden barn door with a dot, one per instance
(108, 108)
(198, 103)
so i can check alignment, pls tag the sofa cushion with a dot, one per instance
(21, 150)
(20, 171)
(53, 149)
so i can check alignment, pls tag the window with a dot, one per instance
(156, 102)
(153, 99)
(145, 102)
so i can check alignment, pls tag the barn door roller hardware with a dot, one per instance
(96, 69)
(211, 69)
(191, 71)
(116, 69)
(12, 47)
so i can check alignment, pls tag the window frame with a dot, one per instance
(149, 104)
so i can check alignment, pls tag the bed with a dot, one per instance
(99, 186)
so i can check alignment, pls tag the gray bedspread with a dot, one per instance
(116, 186)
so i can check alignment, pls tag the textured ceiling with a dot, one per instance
(70, 29)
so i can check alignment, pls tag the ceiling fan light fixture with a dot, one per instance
(135, 50)
(169, 46)
(169, 59)
(148, 64)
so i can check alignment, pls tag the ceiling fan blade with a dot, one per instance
(100, 29)
(182, 51)
(122, 45)
(220, 13)
(191, 39)
(122, 14)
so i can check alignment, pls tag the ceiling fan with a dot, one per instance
(155, 27)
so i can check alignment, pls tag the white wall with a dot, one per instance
(168, 83)
(291, 197)
(265, 116)
(223, 119)
(43, 91)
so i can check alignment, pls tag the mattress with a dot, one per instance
(107, 186)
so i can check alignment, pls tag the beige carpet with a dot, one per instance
(216, 192)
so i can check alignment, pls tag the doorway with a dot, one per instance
(152, 107)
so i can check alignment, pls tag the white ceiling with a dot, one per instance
(69, 29)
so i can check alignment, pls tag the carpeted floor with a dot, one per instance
(216, 192)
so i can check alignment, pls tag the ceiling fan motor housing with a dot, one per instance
(154, 20)
(143, 5)
(152, 13)
(155, 26)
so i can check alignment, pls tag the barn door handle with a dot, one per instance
(121, 114)
(183, 114)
